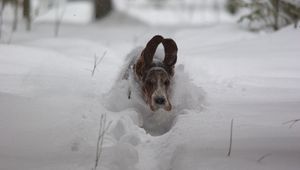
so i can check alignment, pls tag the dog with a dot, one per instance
(154, 76)
(147, 84)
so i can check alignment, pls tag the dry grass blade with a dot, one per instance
(291, 122)
(230, 140)
(97, 61)
(102, 130)
(263, 157)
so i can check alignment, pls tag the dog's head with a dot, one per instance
(155, 77)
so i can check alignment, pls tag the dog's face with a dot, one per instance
(155, 78)
(156, 89)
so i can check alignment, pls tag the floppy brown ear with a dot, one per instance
(147, 54)
(170, 52)
(150, 49)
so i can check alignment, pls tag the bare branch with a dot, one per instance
(96, 62)
(291, 122)
(263, 157)
(230, 141)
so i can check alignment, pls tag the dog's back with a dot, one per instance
(129, 62)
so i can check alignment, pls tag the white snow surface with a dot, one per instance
(51, 105)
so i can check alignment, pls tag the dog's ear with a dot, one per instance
(147, 54)
(150, 49)
(170, 52)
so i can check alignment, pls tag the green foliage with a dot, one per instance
(232, 6)
(259, 12)
(273, 14)
(292, 11)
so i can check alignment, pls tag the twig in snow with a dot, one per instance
(291, 122)
(102, 130)
(263, 157)
(97, 61)
(230, 141)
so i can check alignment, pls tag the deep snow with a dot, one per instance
(50, 105)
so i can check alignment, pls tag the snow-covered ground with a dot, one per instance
(51, 105)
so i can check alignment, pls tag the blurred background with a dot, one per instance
(253, 15)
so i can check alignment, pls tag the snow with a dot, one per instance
(51, 105)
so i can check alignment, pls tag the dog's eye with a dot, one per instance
(149, 82)
(167, 82)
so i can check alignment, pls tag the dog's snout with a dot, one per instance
(160, 100)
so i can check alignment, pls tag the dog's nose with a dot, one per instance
(160, 100)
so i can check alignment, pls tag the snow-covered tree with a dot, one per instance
(232, 6)
(270, 13)
(292, 9)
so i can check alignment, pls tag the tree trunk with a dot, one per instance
(27, 13)
(102, 8)
(1, 17)
(15, 22)
(276, 15)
